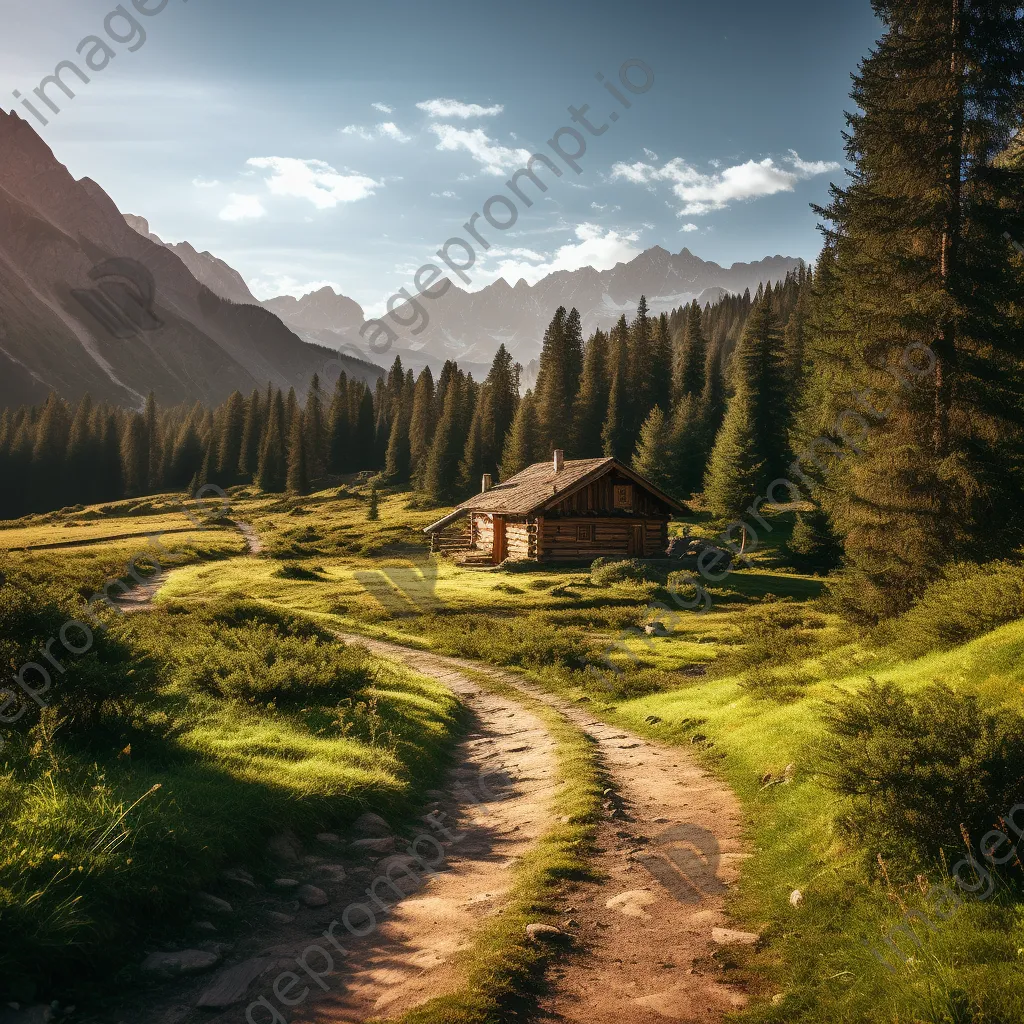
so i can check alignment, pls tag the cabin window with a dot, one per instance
(585, 532)
(623, 496)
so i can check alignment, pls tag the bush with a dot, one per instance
(104, 675)
(921, 767)
(249, 653)
(968, 601)
(295, 571)
(606, 571)
(526, 641)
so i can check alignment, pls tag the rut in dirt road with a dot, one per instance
(666, 855)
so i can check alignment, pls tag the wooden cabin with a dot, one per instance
(574, 510)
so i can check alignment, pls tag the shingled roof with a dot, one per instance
(540, 485)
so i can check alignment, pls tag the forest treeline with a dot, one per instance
(652, 390)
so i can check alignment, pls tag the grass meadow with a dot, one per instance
(849, 927)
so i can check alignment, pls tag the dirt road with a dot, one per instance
(667, 852)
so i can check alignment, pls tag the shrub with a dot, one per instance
(526, 641)
(919, 768)
(105, 674)
(968, 601)
(246, 652)
(295, 571)
(606, 571)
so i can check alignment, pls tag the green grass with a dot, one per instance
(771, 653)
(244, 721)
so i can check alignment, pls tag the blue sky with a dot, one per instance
(317, 142)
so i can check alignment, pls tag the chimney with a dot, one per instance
(486, 486)
(559, 460)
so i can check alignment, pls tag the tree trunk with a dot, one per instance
(945, 349)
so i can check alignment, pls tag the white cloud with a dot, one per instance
(383, 108)
(601, 207)
(389, 130)
(203, 183)
(650, 154)
(494, 158)
(242, 208)
(383, 130)
(810, 169)
(703, 193)
(446, 194)
(314, 180)
(455, 108)
(689, 227)
(594, 247)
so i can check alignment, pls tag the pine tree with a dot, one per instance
(229, 441)
(186, 457)
(661, 394)
(616, 438)
(297, 477)
(641, 372)
(500, 400)
(813, 544)
(252, 428)
(339, 456)
(153, 442)
(272, 471)
(471, 468)
(551, 392)
(930, 295)
(135, 456)
(111, 486)
(441, 479)
(363, 453)
(591, 404)
(690, 446)
(522, 445)
(692, 355)
(82, 457)
(735, 476)
(751, 449)
(653, 458)
(46, 482)
(397, 459)
(421, 426)
(314, 424)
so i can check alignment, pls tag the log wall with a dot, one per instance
(610, 537)
(521, 539)
(482, 526)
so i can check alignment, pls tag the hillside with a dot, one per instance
(187, 345)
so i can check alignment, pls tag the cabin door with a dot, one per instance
(500, 548)
(635, 544)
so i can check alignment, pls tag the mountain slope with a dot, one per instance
(65, 330)
(469, 326)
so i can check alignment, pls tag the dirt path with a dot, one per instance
(140, 597)
(646, 931)
(495, 804)
(668, 850)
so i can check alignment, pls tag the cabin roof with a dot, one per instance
(539, 486)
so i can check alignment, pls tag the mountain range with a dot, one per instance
(93, 301)
(87, 304)
(469, 326)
